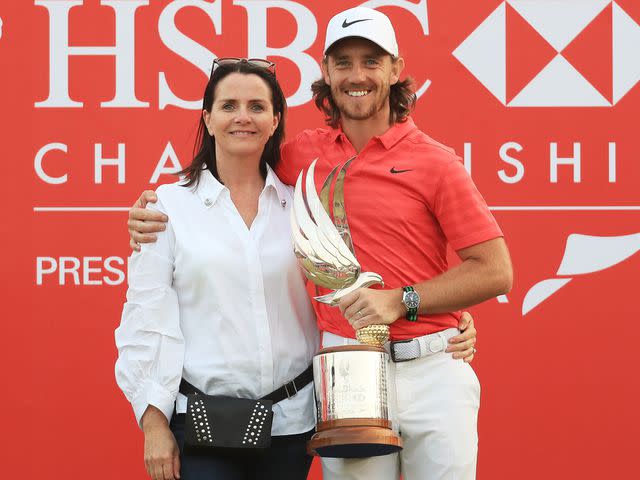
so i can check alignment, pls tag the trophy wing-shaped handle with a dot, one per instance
(339, 212)
(325, 258)
(324, 249)
(364, 280)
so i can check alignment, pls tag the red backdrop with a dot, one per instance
(540, 97)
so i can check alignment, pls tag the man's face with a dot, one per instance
(360, 74)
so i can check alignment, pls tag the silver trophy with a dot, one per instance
(350, 381)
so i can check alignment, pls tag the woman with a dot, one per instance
(218, 300)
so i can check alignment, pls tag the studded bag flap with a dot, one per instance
(214, 422)
(227, 423)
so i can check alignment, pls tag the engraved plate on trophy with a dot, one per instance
(350, 381)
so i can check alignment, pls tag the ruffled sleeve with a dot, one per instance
(149, 340)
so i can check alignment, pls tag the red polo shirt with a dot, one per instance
(406, 197)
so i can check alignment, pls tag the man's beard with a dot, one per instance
(350, 114)
(358, 114)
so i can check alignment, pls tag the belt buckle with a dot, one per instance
(393, 350)
(295, 389)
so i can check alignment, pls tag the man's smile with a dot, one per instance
(357, 93)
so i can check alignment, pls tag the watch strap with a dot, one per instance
(412, 313)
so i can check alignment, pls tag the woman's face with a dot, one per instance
(241, 117)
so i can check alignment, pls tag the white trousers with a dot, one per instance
(436, 411)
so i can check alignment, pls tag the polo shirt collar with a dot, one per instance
(388, 139)
(396, 133)
(209, 188)
(336, 133)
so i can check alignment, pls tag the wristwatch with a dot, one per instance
(411, 300)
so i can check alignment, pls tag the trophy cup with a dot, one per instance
(351, 380)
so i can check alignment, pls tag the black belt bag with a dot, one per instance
(229, 424)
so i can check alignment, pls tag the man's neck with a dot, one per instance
(359, 132)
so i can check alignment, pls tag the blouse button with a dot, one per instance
(208, 202)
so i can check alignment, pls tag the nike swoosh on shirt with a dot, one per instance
(346, 24)
(393, 170)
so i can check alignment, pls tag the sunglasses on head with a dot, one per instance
(256, 62)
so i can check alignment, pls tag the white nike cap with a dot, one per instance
(364, 23)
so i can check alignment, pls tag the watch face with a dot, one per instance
(412, 300)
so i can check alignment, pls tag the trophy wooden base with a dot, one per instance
(354, 442)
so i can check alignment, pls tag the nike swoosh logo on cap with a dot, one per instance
(346, 24)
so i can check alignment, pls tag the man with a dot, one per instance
(406, 197)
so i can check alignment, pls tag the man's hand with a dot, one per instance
(161, 452)
(143, 223)
(367, 306)
(462, 346)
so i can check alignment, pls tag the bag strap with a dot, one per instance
(291, 388)
(187, 389)
(288, 390)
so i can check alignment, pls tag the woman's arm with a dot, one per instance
(151, 349)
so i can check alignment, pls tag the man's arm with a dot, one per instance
(485, 272)
(144, 223)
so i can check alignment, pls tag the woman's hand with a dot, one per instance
(161, 453)
(463, 346)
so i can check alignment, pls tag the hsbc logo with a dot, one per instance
(564, 53)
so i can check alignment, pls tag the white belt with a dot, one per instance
(401, 350)
(412, 348)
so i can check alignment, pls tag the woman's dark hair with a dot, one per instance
(205, 149)
(402, 100)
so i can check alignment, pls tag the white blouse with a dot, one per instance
(221, 304)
